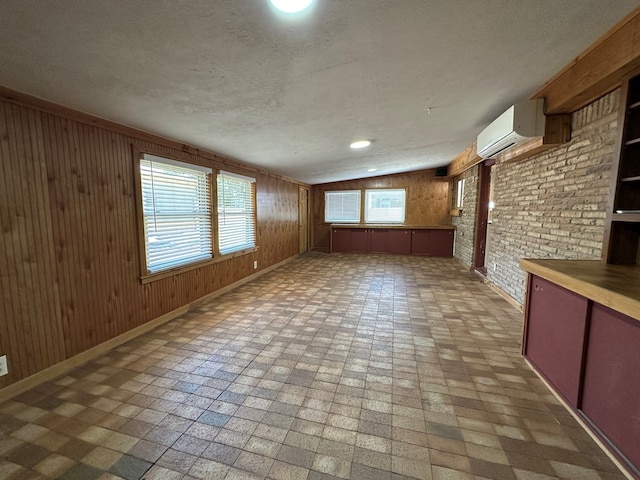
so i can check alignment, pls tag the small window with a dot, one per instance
(384, 206)
(236, 212)
(176, 210)
(342, 206)
(460, 194)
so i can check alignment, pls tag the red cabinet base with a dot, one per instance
(401, 241)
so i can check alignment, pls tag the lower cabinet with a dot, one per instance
(590, 354)
(400, 241)
(437, 243)
(390, 241)
(555, 340)
(611, 389)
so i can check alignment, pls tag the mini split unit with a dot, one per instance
(519, 123)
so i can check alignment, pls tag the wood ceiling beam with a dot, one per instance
(596, 71)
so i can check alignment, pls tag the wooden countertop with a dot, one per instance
(616, 286)
(393, 226)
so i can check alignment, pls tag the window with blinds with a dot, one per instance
(176, 205)
(342, 206)
(236, 212)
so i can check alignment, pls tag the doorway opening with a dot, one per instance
(483, 220)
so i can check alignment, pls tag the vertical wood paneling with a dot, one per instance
(69, 264)
(427, 201)
(30, 327)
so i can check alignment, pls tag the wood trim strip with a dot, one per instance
(465, 160)
(596, 71)
(26, 100)
(512, 301)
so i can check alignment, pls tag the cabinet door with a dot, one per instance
(432, 242)
(359, 240)
(340, 240)
(399, 242)
(611, 391)
(441, 243)
(554, 335)
(379, 240)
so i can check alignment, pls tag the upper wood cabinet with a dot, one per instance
(622, 237)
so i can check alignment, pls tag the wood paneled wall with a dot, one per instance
(69, 261)
(427, 201)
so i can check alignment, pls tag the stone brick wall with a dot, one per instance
(466, 222)
(552, 205)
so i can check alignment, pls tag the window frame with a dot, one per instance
(252, 212)
(145, 276)
(383, 222)
(460, 194)
(329, 192)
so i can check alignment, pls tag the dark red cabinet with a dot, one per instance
(554, 342)
(379, 241)
(437, 243)
(611, 398)
(359, 240)
(340, 240)
(590, 355)
(400, 241)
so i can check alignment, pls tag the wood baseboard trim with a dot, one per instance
(69, 364)
(504, 295)
(583, 424)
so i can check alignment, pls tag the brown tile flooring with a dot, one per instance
(333, 366)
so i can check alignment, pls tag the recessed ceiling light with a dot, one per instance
(372, 169)
(360, 144)
(291, 6)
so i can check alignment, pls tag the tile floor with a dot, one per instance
(333, 366)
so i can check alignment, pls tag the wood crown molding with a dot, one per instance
(597, 71)
(465, 160)
(26, 100)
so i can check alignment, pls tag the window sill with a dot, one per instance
(152, 277)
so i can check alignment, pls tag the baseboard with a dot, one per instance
(504, 295)
(583, 424)
(69, 364)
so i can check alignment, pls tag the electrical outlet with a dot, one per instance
(3, 365)
(255, 264)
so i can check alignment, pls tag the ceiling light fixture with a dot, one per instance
(360, 144)
(372, 169)
(291, 6)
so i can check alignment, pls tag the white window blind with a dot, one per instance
(176, 200)
(342, 206)
(236, 212)
(384, 206)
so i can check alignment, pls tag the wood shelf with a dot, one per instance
(631, 179)
(625, 217)
(622, 231)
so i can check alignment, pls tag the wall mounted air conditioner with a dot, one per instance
(519, 123)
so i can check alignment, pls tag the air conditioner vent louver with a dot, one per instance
(519, 123)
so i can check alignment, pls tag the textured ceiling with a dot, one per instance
(420, 78)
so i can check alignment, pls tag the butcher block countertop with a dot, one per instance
(615, 286)
(393, 226)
